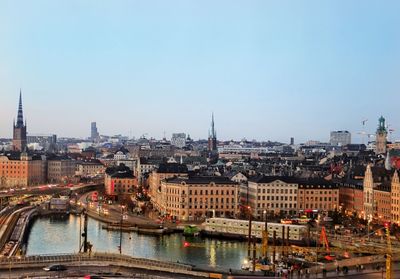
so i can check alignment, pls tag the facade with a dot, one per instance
(60, 170)
(164, 171)
(381, 137)
(340, 138)
(351, 198)
(382, 203)
(89, 168)
(317, 194)
(395, 198)
(198, 197)
(21, 170)
(368, 186)
(120, 181)
(223, 226)
(276, 194)
(178, 140)
(19, 132)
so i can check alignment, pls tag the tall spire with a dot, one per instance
(212, 126)
(20, 118)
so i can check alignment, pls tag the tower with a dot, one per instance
(212, 136)
(381, 137)
(19, 131)
(94, 133)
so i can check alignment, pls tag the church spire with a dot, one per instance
(20, 117)
(213, 134)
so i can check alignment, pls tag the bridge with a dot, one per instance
(99, 259)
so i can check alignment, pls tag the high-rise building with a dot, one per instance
(340, 138)
(292, 141)
(19, 132)
(381, 137)
(212, 136)
(94, 133)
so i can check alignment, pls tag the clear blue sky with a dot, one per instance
(268, 69)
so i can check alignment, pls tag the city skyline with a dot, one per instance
(268, 71)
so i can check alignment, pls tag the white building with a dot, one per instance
(340, 138)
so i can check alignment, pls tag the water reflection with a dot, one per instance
(57, 235)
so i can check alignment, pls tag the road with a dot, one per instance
(81, 271)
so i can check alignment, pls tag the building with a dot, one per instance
(19, 133)
(368, 186)
(275, 194)
(94, 133)
(382, 202)
(145, 166)
(351, 197)
(381, 137)
(212, 137)
(20, 169)
(198, 197)
(46, 142)
(89, 168)
(340, 138)
(178, 140)
(60, 169)
(317, 195)
(395, 198)
(164, 171)
(119, 181)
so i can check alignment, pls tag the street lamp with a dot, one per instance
(120, 229)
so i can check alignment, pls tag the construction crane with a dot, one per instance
(389, 253)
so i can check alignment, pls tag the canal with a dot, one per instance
(50, 235)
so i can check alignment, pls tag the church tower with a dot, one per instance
(19, 134)
(212, 137)
(381, 137)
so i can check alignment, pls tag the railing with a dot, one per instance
(95, 257)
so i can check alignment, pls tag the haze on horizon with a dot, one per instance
(270, 70)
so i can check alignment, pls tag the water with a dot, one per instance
(61, 235)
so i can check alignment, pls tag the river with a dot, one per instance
(55, 235)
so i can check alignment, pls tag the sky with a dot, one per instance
(269, 70)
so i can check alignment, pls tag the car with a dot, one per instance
(89, 276)
(55, 267)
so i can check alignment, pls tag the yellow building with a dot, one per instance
(21, 169)
(198, 197)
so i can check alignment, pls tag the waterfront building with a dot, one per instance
(381, 137)
(240, 228)
(119, 181)
(276, 194)
(198, 197)
(19, 132)
(340, 138)
(164, 171)
(317, 195)
(20, 169)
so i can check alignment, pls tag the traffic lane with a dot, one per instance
(81, 271)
